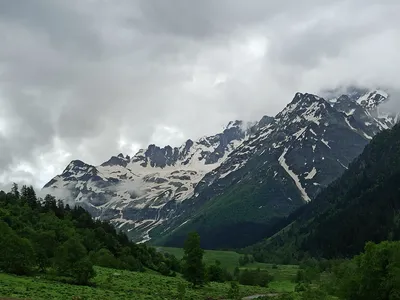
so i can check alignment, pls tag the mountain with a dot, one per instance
(232, 186)
(285, 164)
(362, 205)
(142, 191)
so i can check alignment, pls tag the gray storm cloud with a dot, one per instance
(87, 79)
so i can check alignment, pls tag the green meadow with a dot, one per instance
(115, 284)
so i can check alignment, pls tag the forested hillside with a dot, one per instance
(362, 205)
(49, 237)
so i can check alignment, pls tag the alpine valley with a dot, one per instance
(231, 187)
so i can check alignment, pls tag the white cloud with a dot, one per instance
(89, 79)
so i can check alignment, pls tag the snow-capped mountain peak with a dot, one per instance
(372, 99)
(290, 156)
(123, 187)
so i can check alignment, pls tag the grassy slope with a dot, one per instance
(228, 259)
(283, 275)
(124, 285)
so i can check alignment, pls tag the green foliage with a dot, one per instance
(362, 205)
(307, 274)
(216, 273)
(287, 296)
(193, 267)
(228, 259)
(104, 258)
(124, 285)
(71, 260)
(181, 290)
(234, 292)
(255, 277)
(373, 275)
(236, 273)
(301, 287)
(314, 294)
(245, 260)
(68, 254)
(44, 235)
(83, 270)
(17, 255)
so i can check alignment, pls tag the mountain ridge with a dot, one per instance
(161, 189)
(360, 206)
(313, 138)
(150, 178)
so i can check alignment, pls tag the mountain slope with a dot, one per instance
(362, 205)
(276, 170)
(142, 191)
(231, 186)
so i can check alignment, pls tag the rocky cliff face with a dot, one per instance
(142, 191)
(279, 162)
(278, 168)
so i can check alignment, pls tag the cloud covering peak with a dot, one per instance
(89, 79)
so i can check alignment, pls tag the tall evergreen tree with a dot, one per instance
(15, 190)
(193, 266)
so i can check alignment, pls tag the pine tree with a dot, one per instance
(193, 266)
(14, 190)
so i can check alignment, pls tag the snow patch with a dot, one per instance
(326, 143)
(367, 136)
(311, 174)
(341, 164)
(348, 124)
(295, 178)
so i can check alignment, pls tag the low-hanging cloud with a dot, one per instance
(88, 79)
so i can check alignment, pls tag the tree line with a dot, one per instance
(45, 236)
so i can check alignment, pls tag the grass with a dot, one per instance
(228, 259)
(283, 274)
(117, 284)
(114, 284)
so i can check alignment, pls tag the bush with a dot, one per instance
(83, 271)
(234, 292)
(300, 287)
(258, 277)
(181, 291)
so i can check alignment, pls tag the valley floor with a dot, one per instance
(117, 284)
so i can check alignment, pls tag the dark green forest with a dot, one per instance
(46, 236)
(362, 205)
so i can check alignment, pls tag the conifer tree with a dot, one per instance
(193, 266)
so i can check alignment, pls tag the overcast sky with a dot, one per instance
(87, 79)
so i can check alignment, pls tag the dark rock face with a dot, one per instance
(142, 191)
(119, 160)
(248, 175)
(157, 157)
